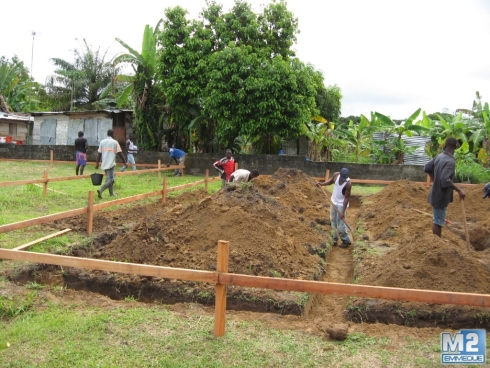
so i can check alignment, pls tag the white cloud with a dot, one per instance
(387, 56)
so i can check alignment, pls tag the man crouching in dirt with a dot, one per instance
(242, 175)
(441, 172)
(340, 198)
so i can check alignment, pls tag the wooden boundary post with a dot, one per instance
(45, 186)
(51, 158)
(220, 301)
(159, 168)
(236, 166)
(90, 212)
(164, 190)
(206, 180)
(327, 174)
(428, 180)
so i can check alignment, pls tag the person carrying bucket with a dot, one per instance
(109, 148)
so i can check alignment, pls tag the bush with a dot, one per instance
(468, 169)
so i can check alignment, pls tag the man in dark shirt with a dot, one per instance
(486, 191)
(441, 171)
(81, 146)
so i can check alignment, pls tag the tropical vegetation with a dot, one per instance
(231, 79)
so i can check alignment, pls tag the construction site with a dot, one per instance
(278, 226)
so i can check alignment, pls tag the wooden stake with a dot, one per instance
(159, 168)
(220, 301)
(428, 180)
(327, 174)
(51, 157)
(206, 180)
(236, 166)
(164, 191)
(90, 212)
(27, 245)
(465, 227)
(45, 188)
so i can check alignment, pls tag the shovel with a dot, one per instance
(465, 227)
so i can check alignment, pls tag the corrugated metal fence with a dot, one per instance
(419, 157)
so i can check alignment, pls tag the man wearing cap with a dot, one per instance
(340, 199)
(486, 190)
(179, 157)
(441, 171)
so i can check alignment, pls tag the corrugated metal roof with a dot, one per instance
(13, 117)
(42, 113)
(419, 157)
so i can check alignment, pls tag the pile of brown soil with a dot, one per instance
(266, 237)
(403, 252)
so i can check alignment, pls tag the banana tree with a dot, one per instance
(321, 139)
(15, 86)
(141, 87)
(359, 136)
(480, 135)
(402, 128)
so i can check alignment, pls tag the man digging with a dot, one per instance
(340, 199)
(441, 172)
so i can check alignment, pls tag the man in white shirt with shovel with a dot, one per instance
(339, 203)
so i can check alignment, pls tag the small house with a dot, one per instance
(15, 127)
(61, 128)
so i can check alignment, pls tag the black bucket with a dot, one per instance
(96, 179)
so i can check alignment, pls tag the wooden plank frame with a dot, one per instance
(224, 278)
(119, 267)
(27, 245)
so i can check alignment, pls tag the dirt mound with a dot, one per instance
(266, 237)
(403, 252)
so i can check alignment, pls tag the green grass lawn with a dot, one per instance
(153, 336)
(24, 202)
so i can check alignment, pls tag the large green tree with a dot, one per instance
(233, 74)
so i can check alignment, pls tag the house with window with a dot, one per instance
(61, 128)
(16, 127)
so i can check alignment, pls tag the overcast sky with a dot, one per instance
(387, 56)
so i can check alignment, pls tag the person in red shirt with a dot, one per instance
(226, 166)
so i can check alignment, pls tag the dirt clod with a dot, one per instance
(338, 331)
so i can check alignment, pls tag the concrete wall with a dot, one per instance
(197, 163)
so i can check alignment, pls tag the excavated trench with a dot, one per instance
(280, 228)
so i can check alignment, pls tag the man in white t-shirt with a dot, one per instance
(340, 198)
(242, 175)
(109, 148)
(132, 150)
